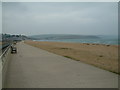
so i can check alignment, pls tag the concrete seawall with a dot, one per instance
(3, 67)
(0, 73)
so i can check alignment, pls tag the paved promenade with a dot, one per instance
(35, 68)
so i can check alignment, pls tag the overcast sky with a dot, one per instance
(0, 16)
(31, 18)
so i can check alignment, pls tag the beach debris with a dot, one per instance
(107, 45)
(65, 48)
(101, 56)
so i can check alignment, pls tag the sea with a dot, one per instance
(99, 39)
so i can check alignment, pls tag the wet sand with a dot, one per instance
(99, 55)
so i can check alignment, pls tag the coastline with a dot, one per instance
(99, 55)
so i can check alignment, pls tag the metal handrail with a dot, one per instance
(4, 62)
(3, 54)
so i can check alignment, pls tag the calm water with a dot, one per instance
(111, 40)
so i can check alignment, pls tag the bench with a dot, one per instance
(13, 49)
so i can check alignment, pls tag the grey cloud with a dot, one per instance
(60, 18)
(0, 17)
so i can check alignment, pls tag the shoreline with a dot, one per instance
(76, 42)
(99, 55)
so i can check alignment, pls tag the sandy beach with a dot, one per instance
(99, 55)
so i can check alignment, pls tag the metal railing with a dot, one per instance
(4, 54)
(4, 58)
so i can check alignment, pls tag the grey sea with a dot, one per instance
(100, 39)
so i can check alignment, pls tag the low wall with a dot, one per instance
(5, 60)
(0, 73)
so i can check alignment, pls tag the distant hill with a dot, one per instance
(61, 36)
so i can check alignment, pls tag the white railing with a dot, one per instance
(4, 54)
(3, 60)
